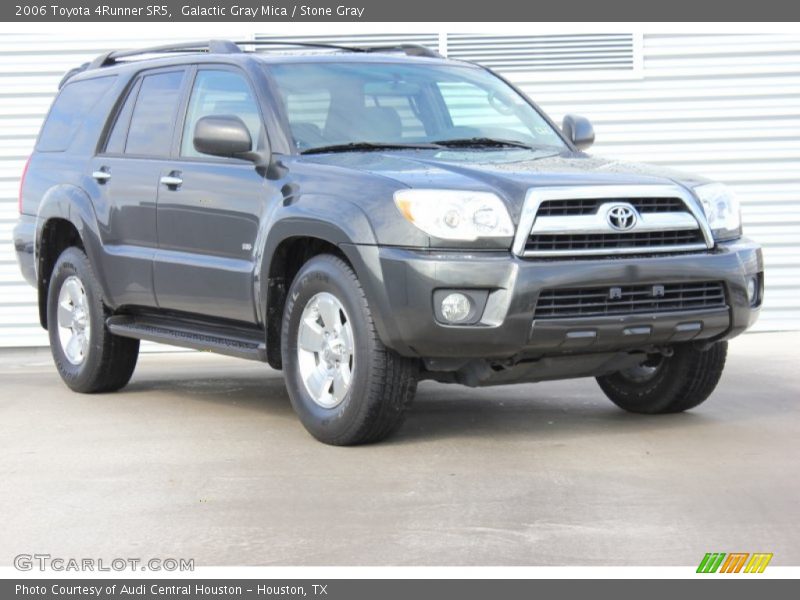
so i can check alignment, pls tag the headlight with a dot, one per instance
(455, 214)
(722, 210)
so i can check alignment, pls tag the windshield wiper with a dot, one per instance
(368, 146)
(479, 142)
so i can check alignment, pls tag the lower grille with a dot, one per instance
(633, 299)
(610, 241)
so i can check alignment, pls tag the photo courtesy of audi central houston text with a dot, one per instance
(363, 219)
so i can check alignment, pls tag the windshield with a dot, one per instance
(362, 106)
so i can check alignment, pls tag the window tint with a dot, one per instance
(471, 107)
(220, 93)
(116, 139)
(307, 112)
(309, 107)
(405, 107)
(339, 103)
(150, 133)
(69, 111)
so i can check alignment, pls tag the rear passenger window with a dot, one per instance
(69, 111)
(150, 132)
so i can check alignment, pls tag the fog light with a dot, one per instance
(752, 289)
(455, 307)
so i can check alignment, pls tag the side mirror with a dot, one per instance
(578, 130)
(223, 135)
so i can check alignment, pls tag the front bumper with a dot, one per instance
(400, 284)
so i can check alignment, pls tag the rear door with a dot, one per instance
(127, 172)
(210, 208)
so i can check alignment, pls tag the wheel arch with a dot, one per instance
(65, 219)
(290, 243)
(287, 253)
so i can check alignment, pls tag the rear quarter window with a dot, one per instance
(69, 112)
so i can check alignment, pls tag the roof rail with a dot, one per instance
(408, 49)
(72, 72)
(299, 44)
(211, 46)
(229, 47)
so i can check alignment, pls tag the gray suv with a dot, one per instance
(364, 218)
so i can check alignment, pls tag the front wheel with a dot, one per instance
(344, 384)
(667, 384)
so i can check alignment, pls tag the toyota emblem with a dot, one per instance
(622, 217)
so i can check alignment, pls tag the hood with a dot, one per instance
(507, 172)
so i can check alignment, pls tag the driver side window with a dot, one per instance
(220, 93)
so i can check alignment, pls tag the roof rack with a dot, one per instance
(229, 47)
(278, 43)
(210, 46)
(408, 49)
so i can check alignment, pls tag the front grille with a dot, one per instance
(588, 206)
(604, 221)
(609, 241)
(631, 299)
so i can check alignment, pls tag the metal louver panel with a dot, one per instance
(512, 53)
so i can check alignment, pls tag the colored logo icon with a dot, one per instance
(735, 562)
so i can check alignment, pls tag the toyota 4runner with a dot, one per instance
(364, 218)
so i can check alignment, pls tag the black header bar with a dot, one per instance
(463, 11)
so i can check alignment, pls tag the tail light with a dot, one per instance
(22, 182)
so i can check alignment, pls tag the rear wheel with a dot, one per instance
(88, 357)
(344, 384)
(667, 384)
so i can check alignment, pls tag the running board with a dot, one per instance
(231, 340)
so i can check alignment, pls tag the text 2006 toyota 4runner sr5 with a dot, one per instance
(364, 218)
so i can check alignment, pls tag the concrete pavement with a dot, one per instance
(201, 457)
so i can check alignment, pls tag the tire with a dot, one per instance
(669, 384)
(103, 362)
(382, 384)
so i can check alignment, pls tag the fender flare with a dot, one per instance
(69, 203)
(349, 229)
(328, 218)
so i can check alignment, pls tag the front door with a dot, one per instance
(210, 209)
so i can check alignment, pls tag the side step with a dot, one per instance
(234, 340)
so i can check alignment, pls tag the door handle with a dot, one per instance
(101, 175)
(173, 180)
